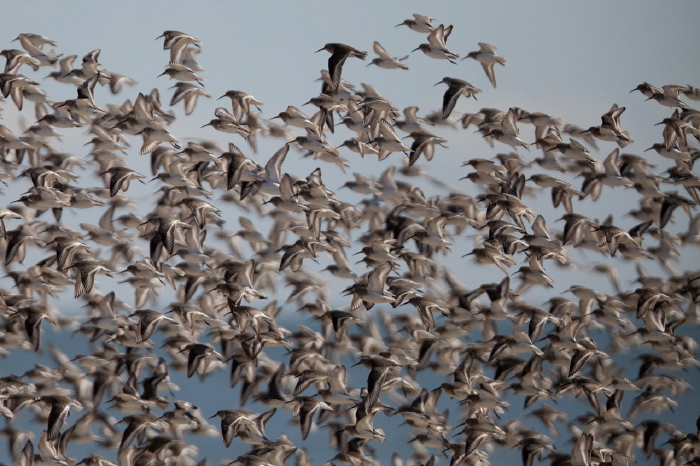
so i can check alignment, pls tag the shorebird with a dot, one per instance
(486, 55)
(339, 53)
(197, 355)
(60, 406)
(372, 291)
(153, 137)
(148, 321)
(437, 45)
(668, 96)
(85, 275)
(295, 117)
(241, 102)
(189, 93)
(269, 182)
(676, 131)
(304, 409)
(321, 149)
(14, 59)
(227, 123)
(120, 178)
(411, 122)
(13, 86)
(424, 143)
(419, 23)
(182, 73)
(385, 60)
(508, 132)
(609, 129)
(455, 88)
(6, 214)
(34, 43)
(33, 317)
(231, 421)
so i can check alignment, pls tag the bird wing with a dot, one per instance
(66, 64)
(488, 68)
(539, 227)
(422, 18)
(286, 188)
(57, 416)
(228, 431)
(611, 163)
(381, 51)
(437, 38)
(191, 95)
(335, 66)
(488, 48)
(376, 279)
(273, 166)
(449, 100)
(508, 124)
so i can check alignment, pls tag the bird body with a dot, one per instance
(486, 55)
(385, 60)
(339, 53)
(436, 47)
(455, 89)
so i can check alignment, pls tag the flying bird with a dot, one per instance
(486, 55)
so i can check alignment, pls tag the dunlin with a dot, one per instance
(339, 53)
(486, 55)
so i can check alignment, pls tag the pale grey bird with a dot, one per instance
(486, 55)
(419, 23)
(436, 47)
(189, 93)
(241, 103)
(385, 60)
(148, 321)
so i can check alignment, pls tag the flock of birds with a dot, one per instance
(403, 316)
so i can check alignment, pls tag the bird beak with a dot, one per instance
(437, 83)
(417, 48)
(322, 48)
(221, 97)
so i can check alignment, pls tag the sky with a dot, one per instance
(572, 60)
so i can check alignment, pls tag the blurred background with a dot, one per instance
(569, 60)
